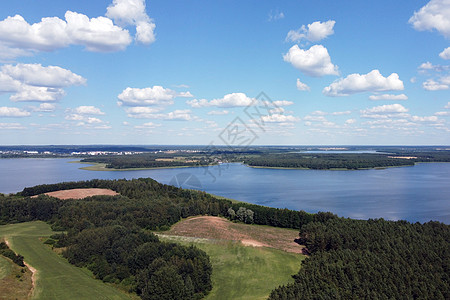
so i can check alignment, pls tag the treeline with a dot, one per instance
(326, 161)
(108, 234)
(155, 203)
(374, 259)
(6, 252)
(144, 161)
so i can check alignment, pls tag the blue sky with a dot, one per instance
(190, 72)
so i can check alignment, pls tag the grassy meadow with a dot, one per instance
(242, 272)
(55, 277)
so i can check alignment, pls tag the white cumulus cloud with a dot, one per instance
(315, 32)
(100, 34)
(302, 86)
(445, 54)
(314, 62)
(279, 118)
(357, 83)
(385, 109)
(45, 107)
(88, 110)
(282, 103)
(37, 93)
(434, 15)
(37, 75)
(13, 112)
(156, 95)
(229, 100)
(33, 82)
(439, 85)
(218, 112)
(132, 12)
(388, 97)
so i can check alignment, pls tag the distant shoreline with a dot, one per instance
(102, 167)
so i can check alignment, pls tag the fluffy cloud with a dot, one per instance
(314, 62)
(156, 95)
(13, 112)
(441, 84)
(96, 34)
(279, 118)
(45, 107)
(350, 121)
(83, 119)
(336, 113)
(132, 12)
(19, 38)
(229, 100)
(218, 112)
(388, 97)
(37, 75)
(424, 119)
(357, 83)
(315, 32)
(434, 15)
(447, 106)
(445, 54)
(282, 103)
(385, 109)
(427, 66)
(33, 82)
(88, 110)
(302, 86)
(39, 94)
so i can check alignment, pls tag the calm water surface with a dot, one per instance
(417, 194)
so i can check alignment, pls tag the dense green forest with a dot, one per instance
(374, 259)
(272, 158)
(351, 161)
(146, 161)
(110, 235)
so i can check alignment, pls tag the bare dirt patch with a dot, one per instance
(81, 193)
(249, 235)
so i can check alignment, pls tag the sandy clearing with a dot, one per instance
(81, 193)
(249, 235)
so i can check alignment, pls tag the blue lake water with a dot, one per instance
(417, 194)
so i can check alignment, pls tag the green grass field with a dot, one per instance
(55, 277)
(241, 272)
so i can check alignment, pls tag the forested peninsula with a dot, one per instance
(112, 236)
(272, 159)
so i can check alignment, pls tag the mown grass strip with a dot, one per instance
(55, 278)
(241, 272)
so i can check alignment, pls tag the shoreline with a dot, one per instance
(102, 167)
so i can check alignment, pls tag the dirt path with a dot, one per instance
(249, 235)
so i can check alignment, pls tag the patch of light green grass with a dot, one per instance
(56, 278)
(5, 267)
(241, 272)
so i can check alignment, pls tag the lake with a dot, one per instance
(417, 194)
